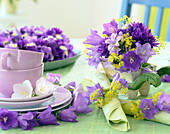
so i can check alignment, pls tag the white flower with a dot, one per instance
(23, 90)
(44, 87)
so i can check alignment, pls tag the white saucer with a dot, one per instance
(24, 103)
(26, 99)
(61, 98)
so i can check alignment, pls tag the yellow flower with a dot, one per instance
(128, 40)
(118, 58)
(94, 95)
(156, 96)
(125, 17)
(24, 35)
(5, 42)
(65, 50)
(161, 45)
(136, 111)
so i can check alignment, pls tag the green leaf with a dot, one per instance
(152, 78)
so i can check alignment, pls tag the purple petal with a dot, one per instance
(53, 77)
(147, 107)
(67, 115)
(132, 61)
(80, 105)
(46, 118)
(93, 39)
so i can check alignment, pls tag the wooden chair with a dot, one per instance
(160, 4)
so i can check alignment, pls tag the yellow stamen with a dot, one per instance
(146, 108)
(5, 42)
(143, 52)
(43, 88)
(5, 119)
(13, 45)
(58, 36)
(63, 47)
(164, 103)
(131, 60)
(23, 93)
(31, 44)
(50, 37)
(24, 35)
(111, 29)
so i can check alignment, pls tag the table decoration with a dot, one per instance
(113, 111)
(50, 41)
(125, 47)
(155, 107)
(68, 111)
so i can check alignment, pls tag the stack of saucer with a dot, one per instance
(59, 99)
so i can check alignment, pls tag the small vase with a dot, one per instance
(144, 90)
(132, 94)
(130, 77)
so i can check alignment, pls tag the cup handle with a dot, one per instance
(4, 58)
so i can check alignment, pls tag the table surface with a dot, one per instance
(95, 122)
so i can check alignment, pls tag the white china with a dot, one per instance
(26, 99)
(24, 104)
(60, 99)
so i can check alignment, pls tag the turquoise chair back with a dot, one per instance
(160, 4)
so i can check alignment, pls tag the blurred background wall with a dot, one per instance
(74, 17)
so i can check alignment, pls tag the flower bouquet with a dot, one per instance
(125, 47)
(52, 42)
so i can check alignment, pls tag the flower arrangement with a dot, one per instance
(79, 104)
(125, 46)
(52, 42)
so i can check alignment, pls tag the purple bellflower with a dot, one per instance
(55, 78)
(80, 104)
(148, 109)
(110, 28)
(8, 119)
(46, 118)
(163, 102)
(93, 39)
(132, 61)
(113, 42)
(145, 51)
(27, 121)
(67, 115)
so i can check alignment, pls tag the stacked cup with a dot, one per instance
(17, 66)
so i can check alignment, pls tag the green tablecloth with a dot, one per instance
(94, 122)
